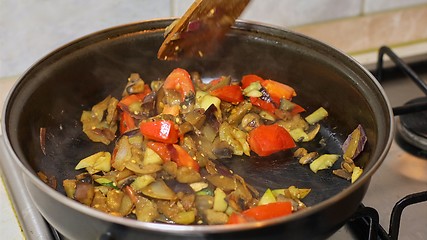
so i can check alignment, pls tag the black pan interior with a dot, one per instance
(53, 95)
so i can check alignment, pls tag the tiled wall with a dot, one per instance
(29, 29)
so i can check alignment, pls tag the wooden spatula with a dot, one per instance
(200, 29)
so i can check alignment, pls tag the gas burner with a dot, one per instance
(412, 127)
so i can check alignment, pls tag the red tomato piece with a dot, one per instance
(180, 80)
(229, 93)
(250, 78)
(269, 211)
(267, 106)
(164, 131)
(268, 139)
(161, 149)
(127, 123)
(278, 90)
(182, 158)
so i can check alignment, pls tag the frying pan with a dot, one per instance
(53, 93)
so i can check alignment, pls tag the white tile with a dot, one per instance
(180, 6)
(287, 13)
(32, 28)
(371, 6)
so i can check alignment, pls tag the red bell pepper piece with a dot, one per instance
(229, 93)
(161, 149)
(126, 101)
(268, 139)
(182, 158)
(297, 109)
(127, 123)
(267, 106)
(269, 211)
(164, 131)
(278, 90)
(262, 212)
(180, 80)
(237, 218)
(250, 78)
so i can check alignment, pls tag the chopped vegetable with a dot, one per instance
(182, 158)
(278, 90)
(325, 161)
(100, 124)
(180, 80)
(164, 131)
(229, 93)
(269, 211)
(97, 162)
(267, 197)
(357, 171)
(250, 78)
(166, 163)
(355, 143)
(317, 115)
(268, 139)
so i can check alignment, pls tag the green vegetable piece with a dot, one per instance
(316, 116)
(219, 205)
(267, 197)
(357, 171)
(141, 182)
(298, 193)
(253, 90)
(299, 135)
(185, 218)
(205, 192)
(325, 161)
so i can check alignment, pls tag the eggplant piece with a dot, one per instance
(223, 182)
(114, 200)
(179, 187)
(187, 175)
(85, 190)
(238, 113)
(134, 85)
(196, 117)
(100, 124)
(222, 149)
(146, 210)
(355, 143)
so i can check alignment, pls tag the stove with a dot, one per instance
(395, 205)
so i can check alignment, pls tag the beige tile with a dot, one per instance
(370, 32)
